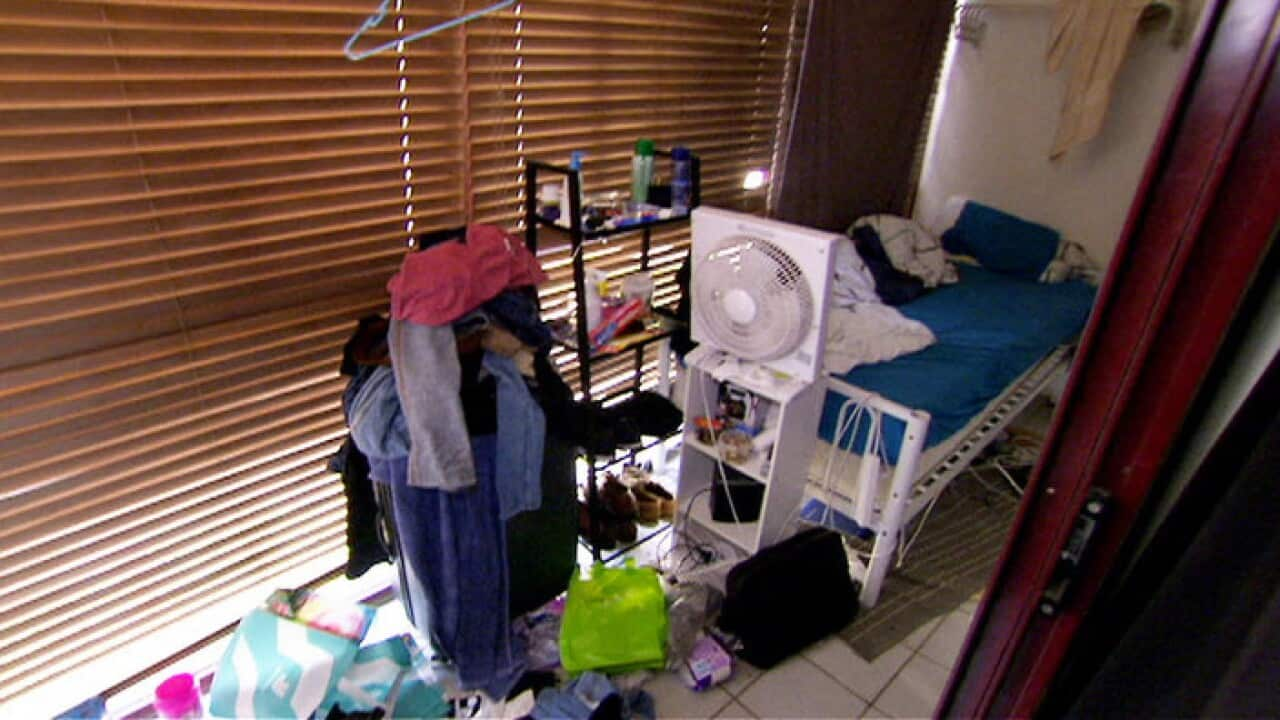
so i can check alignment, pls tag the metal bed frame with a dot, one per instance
(885, 503)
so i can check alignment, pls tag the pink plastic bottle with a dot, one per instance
(178, 698)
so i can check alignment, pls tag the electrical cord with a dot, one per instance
(715, 447)
(843, 426)
(924, 517)
(679, 531)
(851, 423)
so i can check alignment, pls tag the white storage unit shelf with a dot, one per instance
(783, 470)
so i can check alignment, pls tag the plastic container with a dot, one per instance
(178, 697)
(681, 180)
(575, 164)
(549, 199)
(595, 280)
(735, 446)
(638, 285)
(641, 172)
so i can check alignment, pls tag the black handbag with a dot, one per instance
(788, 596)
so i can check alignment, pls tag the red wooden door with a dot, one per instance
(1196, 233)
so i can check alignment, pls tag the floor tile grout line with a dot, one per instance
(727, 703)
(893, 677)
(823, 670)
(815, 665)
(947, 668)
(914, 651)
(752, 681)
(837, 680)
(952, 662)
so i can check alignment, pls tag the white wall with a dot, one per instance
(996, 116)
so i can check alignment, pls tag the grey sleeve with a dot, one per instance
(429, 378)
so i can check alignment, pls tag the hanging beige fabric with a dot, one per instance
(1095, 35)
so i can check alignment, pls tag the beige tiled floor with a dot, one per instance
(829, 680)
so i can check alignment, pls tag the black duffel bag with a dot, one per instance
(788, 596)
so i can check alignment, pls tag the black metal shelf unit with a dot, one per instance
(578, 235)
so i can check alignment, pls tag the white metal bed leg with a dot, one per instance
(889, 532)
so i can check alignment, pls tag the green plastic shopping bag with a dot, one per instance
(614, 621)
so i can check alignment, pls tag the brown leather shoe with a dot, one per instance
(604, 538)
(617, 499)
(666, 502)
(648, 506)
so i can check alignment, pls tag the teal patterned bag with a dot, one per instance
(286, 657)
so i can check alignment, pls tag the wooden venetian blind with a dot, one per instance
(555, 76)
(197, 200)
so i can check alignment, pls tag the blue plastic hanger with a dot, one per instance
(380, 14)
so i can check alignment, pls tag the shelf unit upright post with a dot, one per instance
(578, 236)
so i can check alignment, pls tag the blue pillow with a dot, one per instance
(1001, 242)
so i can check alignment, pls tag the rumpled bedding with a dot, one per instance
(870, 333)
(861, 328)
(911, 249)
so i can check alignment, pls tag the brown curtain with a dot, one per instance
(868, 72)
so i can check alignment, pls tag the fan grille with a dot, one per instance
(752, 299)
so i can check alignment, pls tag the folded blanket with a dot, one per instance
(871, 333)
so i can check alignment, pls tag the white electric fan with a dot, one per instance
(759, 290)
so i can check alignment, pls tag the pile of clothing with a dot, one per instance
(455, 408)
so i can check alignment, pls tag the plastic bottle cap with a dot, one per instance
(680, 153)
(178, 696)
(644, 147)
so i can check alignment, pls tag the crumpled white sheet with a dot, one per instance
(871, 333)
(912, 249)
(851, 283)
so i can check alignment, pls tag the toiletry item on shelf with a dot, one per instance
(549, 203)
(708, 429)
(575, 165)
(681, 180)
(742, 408)
(641, 171)
(617, 319)
(602, 210)
(595, 280)
(638, 285)
(735, 445)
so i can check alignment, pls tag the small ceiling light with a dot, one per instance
(755, 180)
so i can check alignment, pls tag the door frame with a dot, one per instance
(1199, 226)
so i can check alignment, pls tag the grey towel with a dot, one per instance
(429, 378)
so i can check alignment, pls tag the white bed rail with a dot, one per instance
(886, 511)
(887, 521)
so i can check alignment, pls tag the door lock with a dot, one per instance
(1070, 559)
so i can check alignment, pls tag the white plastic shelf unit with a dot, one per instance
(783, 471)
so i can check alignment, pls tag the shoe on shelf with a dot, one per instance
(604, 538)
(610, 528)
(624, 530)
(616, 498)
(666, 501)
(648, 506)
